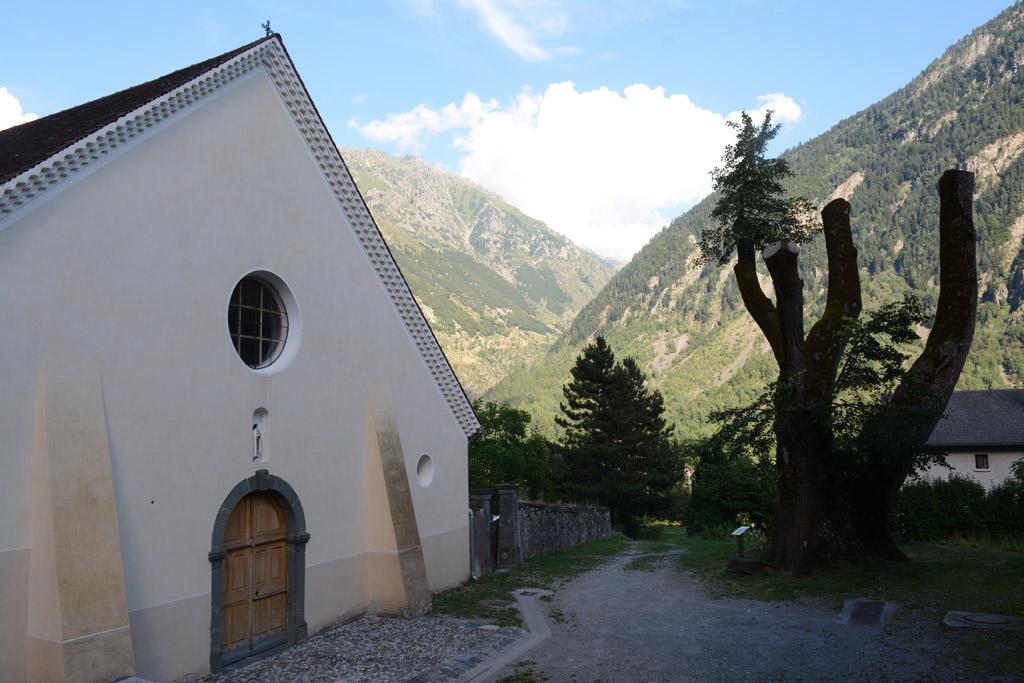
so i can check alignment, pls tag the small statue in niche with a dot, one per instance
(257, 442)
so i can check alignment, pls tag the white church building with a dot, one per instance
(225, 421)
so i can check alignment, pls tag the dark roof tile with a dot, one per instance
(993, 417)
(24, 146)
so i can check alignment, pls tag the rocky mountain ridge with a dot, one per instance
(497, 286)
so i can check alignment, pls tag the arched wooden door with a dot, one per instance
(255, 593)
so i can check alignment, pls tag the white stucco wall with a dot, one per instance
(963, 464)
(134, 263)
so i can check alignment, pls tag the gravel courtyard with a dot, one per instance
(378, 649)
(636, 618)
(613, 625)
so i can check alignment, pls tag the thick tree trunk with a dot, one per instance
(802, 453)
(872, 500)
(827, 339)
(930, 382)
(760, 307)
(802, 531)
(805, 528)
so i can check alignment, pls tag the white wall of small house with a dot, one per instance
(962, 463)
(133, 263)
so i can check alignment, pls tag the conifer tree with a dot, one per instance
(587, 422)
(616, 448)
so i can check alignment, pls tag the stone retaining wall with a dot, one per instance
(545, 527)
(522, 530)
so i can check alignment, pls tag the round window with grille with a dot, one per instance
(258, 322)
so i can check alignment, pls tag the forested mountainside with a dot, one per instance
(497, 286)
(687, 326)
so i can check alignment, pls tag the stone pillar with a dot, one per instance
(510, 551)
(77, 627)
(403, 585)
(480, 504)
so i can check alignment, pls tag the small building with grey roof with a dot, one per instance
(982, 434)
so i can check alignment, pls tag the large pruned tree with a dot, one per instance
(826, 508)
(616, 446)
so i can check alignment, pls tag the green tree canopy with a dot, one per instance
(506, 450)
(753, 209)
(616, 447)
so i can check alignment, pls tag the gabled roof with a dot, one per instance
(991, 418)
(24, 146)
(37, 156)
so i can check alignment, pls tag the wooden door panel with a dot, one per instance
(259, 568)
(278, 557)
(235, 625)
(269, 561)
(268, 615)
(238, 528)
(236, 576)
(254, 597)
(268, 520)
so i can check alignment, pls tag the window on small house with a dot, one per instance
(981, 461)
(257, 322)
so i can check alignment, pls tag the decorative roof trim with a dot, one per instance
(272, 55)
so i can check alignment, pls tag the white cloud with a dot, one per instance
(11, 113)
(409, 130)
(784, 109)
(517, 23)
(608, 169)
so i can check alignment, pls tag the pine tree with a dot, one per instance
(587, 422)
(616, 448)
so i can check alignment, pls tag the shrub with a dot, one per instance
(727, 489)
(935, 509)
(938, 509)
(506, 450)
(1004, 507)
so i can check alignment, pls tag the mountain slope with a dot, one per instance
(687, 326)
(497, 286)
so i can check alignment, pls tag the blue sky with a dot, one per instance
(540, 110)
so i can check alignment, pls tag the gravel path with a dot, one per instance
(613, 625)
(381, 650)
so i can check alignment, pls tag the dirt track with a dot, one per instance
(663, 625)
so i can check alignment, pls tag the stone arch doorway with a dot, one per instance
(258, 563)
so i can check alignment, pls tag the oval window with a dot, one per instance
(257, 321)
(425, 470)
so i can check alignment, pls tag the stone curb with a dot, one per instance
(539, 630)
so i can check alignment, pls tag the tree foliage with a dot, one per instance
(753, 209)
(506, 450)
(733, 482)
(616, 447)
(940, 509)
(871, 366)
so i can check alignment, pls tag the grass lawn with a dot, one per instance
(482, 599)
(940, 577)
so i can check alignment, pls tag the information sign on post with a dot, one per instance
(739, 539)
